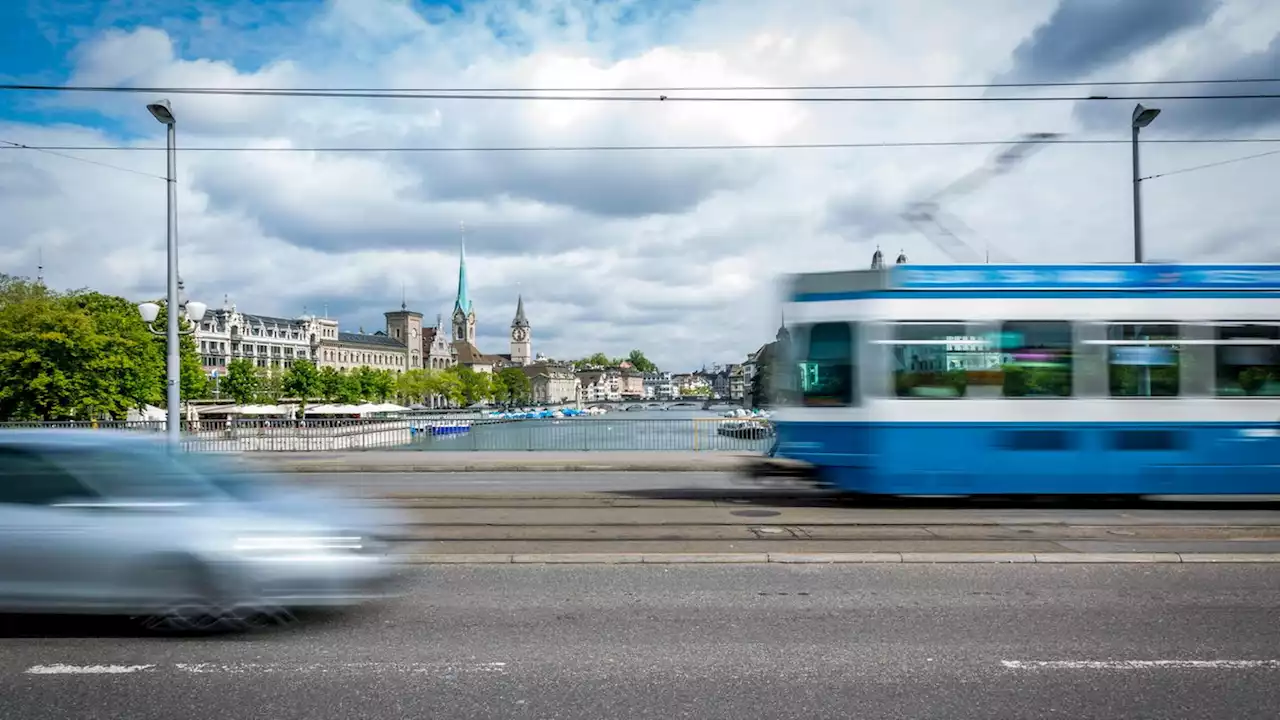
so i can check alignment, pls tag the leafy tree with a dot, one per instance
(195, 383)
(78, 355)
(640, 362)
(475, 386)
(383, 385)
(302, 380)
(515, 386)
(412, 385)
(598, 360)
(375, 385)
(242, 381)
(446, 384)
(270, 385)
(349, 391)
(328, 383)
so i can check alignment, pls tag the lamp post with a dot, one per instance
(1142, 117)
(195, 311)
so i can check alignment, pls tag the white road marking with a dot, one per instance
(1138, 664)
(271, 668)
(87, 669)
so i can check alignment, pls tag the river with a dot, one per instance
(687, 430)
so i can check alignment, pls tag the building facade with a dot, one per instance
(552, 384)
(659, 386)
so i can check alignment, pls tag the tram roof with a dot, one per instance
(985, 278)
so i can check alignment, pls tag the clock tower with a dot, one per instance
(521, 336)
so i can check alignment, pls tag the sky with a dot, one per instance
(674, 252)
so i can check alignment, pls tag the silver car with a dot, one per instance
(103, 522)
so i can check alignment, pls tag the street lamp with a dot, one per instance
(195, 311)
(1142, 117)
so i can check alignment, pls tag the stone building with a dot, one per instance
(553, 384)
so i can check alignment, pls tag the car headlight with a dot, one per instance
(300, 544)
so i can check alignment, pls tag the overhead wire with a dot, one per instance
(684, 88)
(662, 97)
(10, 145)
(642, 148)
(1205, 166)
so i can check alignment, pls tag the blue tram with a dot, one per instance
(1012, 379)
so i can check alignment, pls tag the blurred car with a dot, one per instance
(114, 523)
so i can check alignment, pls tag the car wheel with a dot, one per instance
(196, 604)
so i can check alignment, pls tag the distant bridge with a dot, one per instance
(684, 404)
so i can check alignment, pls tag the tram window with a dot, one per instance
(1244, 369)
(1035, 358)
(1143, 360)
(826, 369)
(937, 360)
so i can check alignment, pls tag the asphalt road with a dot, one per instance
(923, 641)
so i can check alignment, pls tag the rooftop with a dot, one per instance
(372, 340)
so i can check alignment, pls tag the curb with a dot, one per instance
(834, 558)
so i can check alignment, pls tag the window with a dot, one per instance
(140, 474)
(27, 478)
(1247, 360)
(1143, 360)
(939, 359)
(1035, 357)
(826, 366)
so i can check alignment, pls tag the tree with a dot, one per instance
(270, 386)
(349, 391)
(78, 355)
(640, 362)
(195, 384)
(475, 386)
(382, 385)
(242, 381)
(302, 380)
(412, 385)
(446, 384)
(598, 360)
(328, 383)
(513, 385)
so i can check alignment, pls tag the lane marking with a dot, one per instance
(87, 669)
(269, 668)
(1138, 664)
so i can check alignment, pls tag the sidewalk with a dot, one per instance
(420, 461)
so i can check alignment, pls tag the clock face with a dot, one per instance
(520, 334)
(413, 332)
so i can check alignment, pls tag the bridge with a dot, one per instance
(682, 404)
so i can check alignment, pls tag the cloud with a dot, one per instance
(673, 252)
(1082, 36)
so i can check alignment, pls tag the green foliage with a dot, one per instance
(640, 362)
(328, 384)
(80, 355)
(241, 383)
(412, 386)
(472, 386)
(447, 384)
(348, 391)
(302, 381)
(195, 384)
(512, 385)
(270, 386)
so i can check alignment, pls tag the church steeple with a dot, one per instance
(463, 301)
(464, 315)
(520, 319)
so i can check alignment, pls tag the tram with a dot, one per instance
(1015, 379)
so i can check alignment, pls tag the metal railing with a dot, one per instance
(453, 432)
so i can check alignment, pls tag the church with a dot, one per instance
(445, 346)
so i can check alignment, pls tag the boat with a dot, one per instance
(746, 430)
